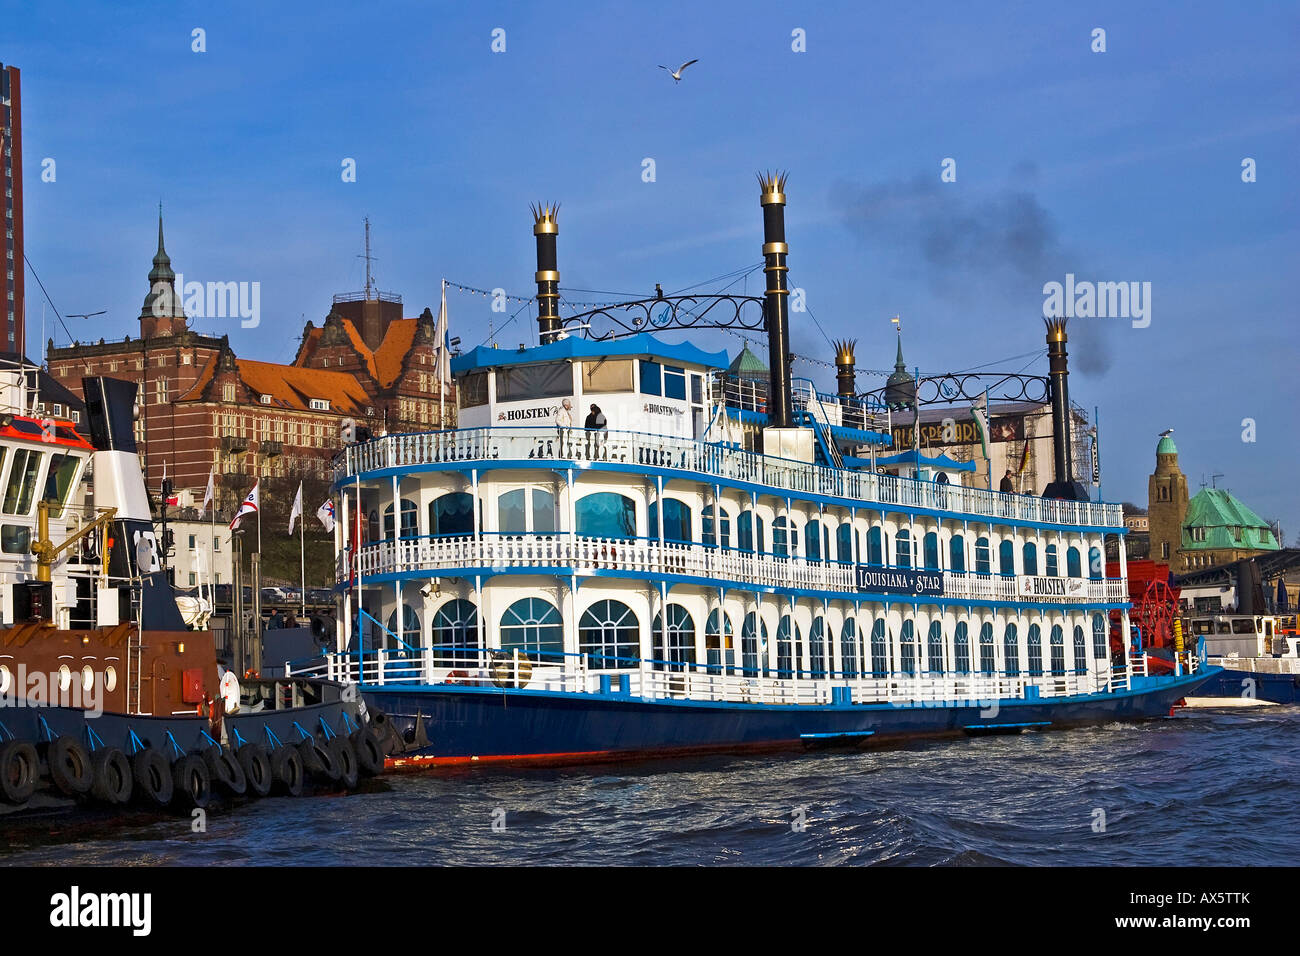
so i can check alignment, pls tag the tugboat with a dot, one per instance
(708, 564)
(106, 696)
(1260, 661)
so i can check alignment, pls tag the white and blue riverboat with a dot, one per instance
(719, 562)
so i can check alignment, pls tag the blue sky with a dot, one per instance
(1116, 166)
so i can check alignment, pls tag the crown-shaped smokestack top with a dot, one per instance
(772, 186)
(545, 218)
(1055, 329)
(844, 351)
(845, 373)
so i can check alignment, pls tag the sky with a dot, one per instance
(1122, 165)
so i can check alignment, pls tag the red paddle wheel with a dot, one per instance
(1155, 613)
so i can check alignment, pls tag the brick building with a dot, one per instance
(11, 177)
(204, 407)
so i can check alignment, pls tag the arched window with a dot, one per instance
(783, 538)
(1073, 565)
(1096, 567)
(677, 520)
(879, 649)
(932, 551)
(753, 645)
(1053, 566)
(452, 514)
(1006, 558)
(1011, 650)
(875, 546)
(749, 532)
(410, 626)
(988, 661)
(812, 541)
(525, 510)
(1035, 650)
(907, 648)
(982, 563)
(845, 539)
(786, 636)
(817, 647)
(934, 649)
(606, 514)
(533, 626)
(1080, 651)
(1100, 645)
(674, 649)
(372, 526)
(409, 512)
(961, 649)
(903, 548)
(609, 633)
(455, 626)
(957, 553)
(718, 648)
(1030, 557)
(1058, 649)
(716, 535)
(849, 647)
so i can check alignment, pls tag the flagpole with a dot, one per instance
(302, 549)
(988, 457)
(442, 389)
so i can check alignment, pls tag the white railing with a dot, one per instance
(639, 556)
(572, 673)
(486, 445)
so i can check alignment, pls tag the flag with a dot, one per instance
(979, 410)
(250, 506)
(440, 333)
(296, 512)
(325, 514)
(1024, 458)
(208, 495)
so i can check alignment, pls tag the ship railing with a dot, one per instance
(635, 556)
(465, 446)
(712, 681)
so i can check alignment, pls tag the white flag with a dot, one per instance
(325, 514)
(440, 333)
(296, 513)
(250, 506)
(208, 495)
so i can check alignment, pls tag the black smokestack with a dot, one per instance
(1064, 486)
(846, 378)
(776, 299)
(546, 229)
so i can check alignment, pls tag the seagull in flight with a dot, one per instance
(677, 74)
(1166, 433)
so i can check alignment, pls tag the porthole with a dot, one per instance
(4, 679)
(110, 678)
(87, 679)
(65, 678)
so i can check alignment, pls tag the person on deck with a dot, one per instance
(596, 423)
(1008, 486)
(564, 425)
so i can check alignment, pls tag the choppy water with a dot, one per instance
(1199, 789)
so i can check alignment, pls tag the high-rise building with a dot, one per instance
(11, 145)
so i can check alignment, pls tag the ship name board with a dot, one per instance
(526, 414)
(899, 581)
(1052, 587)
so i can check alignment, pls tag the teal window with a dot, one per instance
(1100, 648)
(785, 639)
(450, 514)
(1030, 558)
(1096, 567)
(875, 546)
(932, 551)
(677, 520)
(533, 626)
(674, 648)
(1006, 558)
(526, 510)
(907, 648)
(455, 632)
(1080, 651)
(812, 540)
(961, 648)
(753, 645)
(845, 541)
(409, 512)
(651, 378)
(749, 532)
(718, 647)
(1011, 650)
(982, 564)
(608, 633)
(879, 649)
(1058, 649)
(988, 660)
(817, 647)
(849, 648)
(1073, 564)
(715, 534)
(606, 514)
(1053, 566)
(935, 649)
(1035, 650)
(674, 383)
(782, 537)
(903, 548)
(957, 553)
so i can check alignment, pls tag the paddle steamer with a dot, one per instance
(715, 562)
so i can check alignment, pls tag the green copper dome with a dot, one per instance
(1166, 446)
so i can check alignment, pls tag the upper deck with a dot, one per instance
(670, 456)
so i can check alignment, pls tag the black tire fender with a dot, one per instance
(257, 769)
(345, 758)
(19, 771)
(153, 778)
(69, 766)
(113, 780)
(191, 783)
(287, 769)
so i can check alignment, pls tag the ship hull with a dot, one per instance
(490, 725)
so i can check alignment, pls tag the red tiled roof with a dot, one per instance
(291, 386)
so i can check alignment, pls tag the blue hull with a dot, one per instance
(471, 724)
(1277, 688)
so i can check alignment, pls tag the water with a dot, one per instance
(1199, 789)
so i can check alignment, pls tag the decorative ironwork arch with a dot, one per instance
(956, 387)
(665, 312)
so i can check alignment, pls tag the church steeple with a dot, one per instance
(161, 313)
(900, 387)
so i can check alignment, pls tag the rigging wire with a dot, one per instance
(57, 315)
